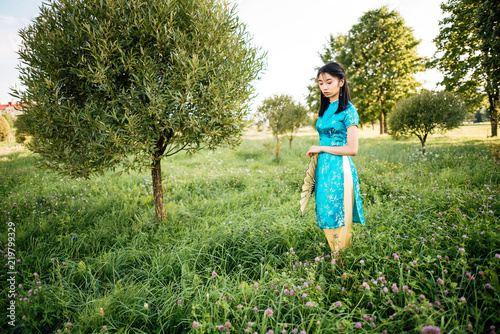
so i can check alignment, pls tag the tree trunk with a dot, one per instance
(290, 141)
(277, 148)
(385, 121)
(383, 116)
(382, 123)
(160, 213)
(422, 138)
(493, 114)
(161, 145)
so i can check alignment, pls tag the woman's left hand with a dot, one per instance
(313, 151)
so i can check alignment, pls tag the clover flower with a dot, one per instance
(431, 330)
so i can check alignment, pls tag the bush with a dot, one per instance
(21, 137)
(4, 129)
(9, 120)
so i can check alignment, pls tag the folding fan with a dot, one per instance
(309, 182)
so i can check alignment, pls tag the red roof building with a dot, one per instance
(11, 108)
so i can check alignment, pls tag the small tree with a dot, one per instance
(426, 113)
(127, 82)
(296, 119)
(279, 111)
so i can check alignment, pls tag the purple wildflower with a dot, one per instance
(431, 330)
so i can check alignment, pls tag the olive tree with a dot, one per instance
(283, 116)
(297, 117)
(123, 83)
(426, 113)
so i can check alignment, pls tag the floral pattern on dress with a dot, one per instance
(329, 191)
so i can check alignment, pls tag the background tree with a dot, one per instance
(4, 129)
(9, 119)
(297, 116)
(124, 83)
(468, 51)
(21, 138)
(278, 112)
(478, 118)
(426, 113)
(380, 57)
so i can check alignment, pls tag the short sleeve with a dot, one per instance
(351, 116)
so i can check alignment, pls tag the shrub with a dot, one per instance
(21, 136)
(4, 129)
(9, 120)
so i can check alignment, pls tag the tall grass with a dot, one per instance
(235, 246)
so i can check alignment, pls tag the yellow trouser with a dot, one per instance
(338, 238)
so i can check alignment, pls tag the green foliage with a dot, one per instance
(21, 137)
(284, 116)
(468, 52)
(94, 244)
(108, 80)
(380, 57)
(9, 120)
(4, 129)
(426, 113)
(297, 117)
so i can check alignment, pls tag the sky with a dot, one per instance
(292, 32)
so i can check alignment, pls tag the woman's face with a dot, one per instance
(330, 86)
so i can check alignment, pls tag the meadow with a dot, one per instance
(235, 255)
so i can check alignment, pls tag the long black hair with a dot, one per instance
(335, 70)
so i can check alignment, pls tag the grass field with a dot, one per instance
(236, 256)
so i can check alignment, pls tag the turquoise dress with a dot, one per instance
(329, 189)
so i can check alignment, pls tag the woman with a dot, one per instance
(338, 199)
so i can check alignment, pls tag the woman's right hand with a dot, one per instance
(313, 151)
